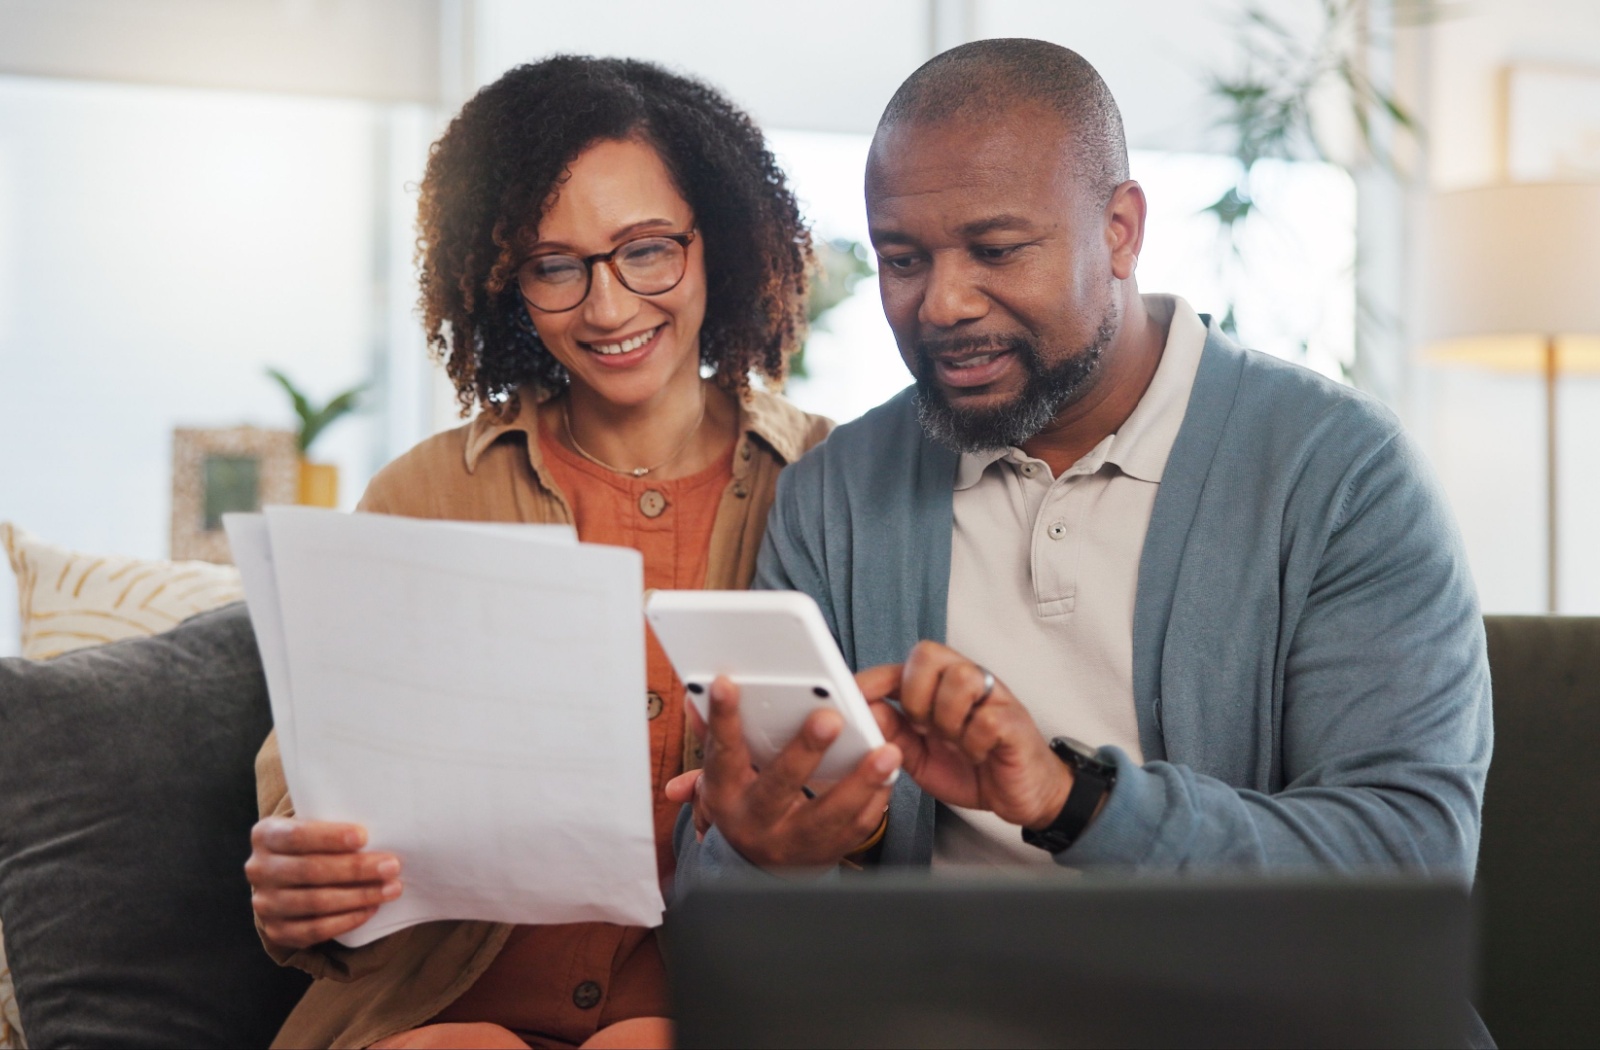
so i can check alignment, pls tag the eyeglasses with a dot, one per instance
(653, 265)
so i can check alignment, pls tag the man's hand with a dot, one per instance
(766, 815)
(964, 748)
(311, 880)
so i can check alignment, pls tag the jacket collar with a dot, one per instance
(766, 418)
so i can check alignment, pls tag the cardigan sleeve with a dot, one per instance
(1385, 722)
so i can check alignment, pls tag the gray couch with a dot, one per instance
(127, 795)
(1538, 888)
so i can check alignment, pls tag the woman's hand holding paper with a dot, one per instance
(312, 881)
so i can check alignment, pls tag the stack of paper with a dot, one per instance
(471, 694)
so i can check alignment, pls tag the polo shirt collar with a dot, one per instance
(1141, 446)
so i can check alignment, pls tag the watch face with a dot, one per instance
(1078, 747)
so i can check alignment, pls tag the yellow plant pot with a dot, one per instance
(319, 484)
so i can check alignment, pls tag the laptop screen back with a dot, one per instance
(1062, 962)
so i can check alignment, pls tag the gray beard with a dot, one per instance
(1047, 391)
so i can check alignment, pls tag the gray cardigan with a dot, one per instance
(1309, 669)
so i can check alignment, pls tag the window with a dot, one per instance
(1291, 281)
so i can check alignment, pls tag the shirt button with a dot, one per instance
(653, 705)
(740, 490)
(586, 996)
(1030, 469)
(1057, 529)
(744, 450)
(652, 503)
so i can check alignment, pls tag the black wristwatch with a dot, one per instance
(1091, 780)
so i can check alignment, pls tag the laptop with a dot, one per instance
(1057, 961)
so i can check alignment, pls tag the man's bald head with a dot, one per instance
(986, 78)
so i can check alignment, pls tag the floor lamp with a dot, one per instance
(1512, 283)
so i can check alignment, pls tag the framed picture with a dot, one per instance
(217, 472)
(1552, 123)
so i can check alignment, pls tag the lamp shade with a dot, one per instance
(1509, 268)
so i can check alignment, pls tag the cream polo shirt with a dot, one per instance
(1043, 575)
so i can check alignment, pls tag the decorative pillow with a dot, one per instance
(71, 600)
(127, 794)
(10, 1023)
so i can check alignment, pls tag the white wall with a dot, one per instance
(158, 249)
(1485, 431)
(831, 65)
(383, 50)
(827, 65)
(1468, 53)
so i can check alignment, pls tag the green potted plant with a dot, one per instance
(319, 482)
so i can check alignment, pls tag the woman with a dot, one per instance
(596, 236)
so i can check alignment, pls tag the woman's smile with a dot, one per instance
(627, 351)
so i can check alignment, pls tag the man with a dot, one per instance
(1095, 517)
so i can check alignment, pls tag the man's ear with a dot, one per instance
(1125, 228)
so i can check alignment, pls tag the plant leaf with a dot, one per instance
(1230, 208)
(302, 407)
(331, 412)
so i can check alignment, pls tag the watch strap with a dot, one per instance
(1091, 780)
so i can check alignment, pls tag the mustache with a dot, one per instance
(928, 349)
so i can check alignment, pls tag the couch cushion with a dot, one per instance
(71, 600)
(1539, 864)
(126, 800)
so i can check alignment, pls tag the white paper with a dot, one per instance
(252, 555)
(473, 699)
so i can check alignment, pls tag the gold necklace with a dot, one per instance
(637, 472)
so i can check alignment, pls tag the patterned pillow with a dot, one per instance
(10, 1022)
(71, 600)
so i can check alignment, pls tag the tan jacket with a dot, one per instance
(494, 472)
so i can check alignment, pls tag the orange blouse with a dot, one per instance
(530, 983)
(669, 522)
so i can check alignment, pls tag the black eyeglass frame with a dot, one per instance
(683, 240)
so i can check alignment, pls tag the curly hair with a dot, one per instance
(493, 174)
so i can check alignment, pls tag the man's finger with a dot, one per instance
(778, 787)
(896, 730)
(287, 835)
(878, 682)
(982, 734)
(960, 686)
(920, 679)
